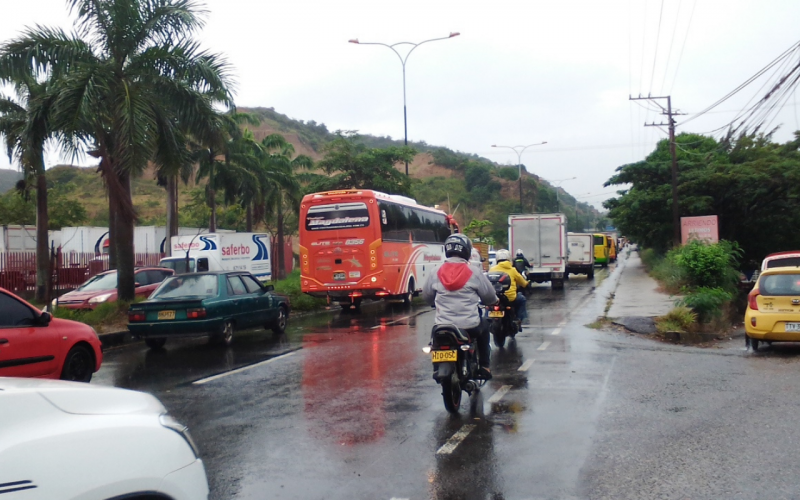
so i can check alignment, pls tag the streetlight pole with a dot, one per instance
(403, 61)
(519, 152)
(559, 181)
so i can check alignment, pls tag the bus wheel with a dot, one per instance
(409, 295)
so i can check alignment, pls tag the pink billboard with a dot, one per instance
(703, 228)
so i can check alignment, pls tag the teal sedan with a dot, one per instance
(212, 303)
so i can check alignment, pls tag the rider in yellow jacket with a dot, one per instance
(504, 265)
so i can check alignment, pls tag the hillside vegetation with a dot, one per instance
(464, 184)
(8, 178)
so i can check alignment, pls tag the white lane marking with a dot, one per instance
(388, 323)
(556, 331)
(239, 370)
(497, 396)
(543, 346)
(563, 324)
(454, 441)
(525, 366)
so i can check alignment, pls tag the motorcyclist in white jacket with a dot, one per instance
(456, 290)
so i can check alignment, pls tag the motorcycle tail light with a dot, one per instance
(465, 347)
(496, 308)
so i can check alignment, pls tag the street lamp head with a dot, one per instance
(353, 40)
(545, 142)
(456, 33)
(494, 145)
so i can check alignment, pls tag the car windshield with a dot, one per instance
(178, 265)
(100, 282)
(780, 284)
(784, 262)
(202, 285)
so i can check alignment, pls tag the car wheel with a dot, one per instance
(280, 324)
(754, 344)
(155, 343)
(78, 365)
(227, 333)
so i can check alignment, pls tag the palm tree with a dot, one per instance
(25, 126)
(226, 158)
(283, 187)
(133, 79)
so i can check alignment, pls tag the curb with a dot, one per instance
(114, 339)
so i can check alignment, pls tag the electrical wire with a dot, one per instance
(655, 55)
(680, 58)
(780, 58)
(671, 43)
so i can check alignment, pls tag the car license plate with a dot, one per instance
(496, 314)
(793, 327)
(338, 276)
(166, 315)
(444, 356)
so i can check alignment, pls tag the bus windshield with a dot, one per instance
(337, 216)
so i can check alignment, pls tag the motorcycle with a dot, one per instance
(502, 316)
(456, 363)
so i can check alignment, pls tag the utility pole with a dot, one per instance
(676, 215)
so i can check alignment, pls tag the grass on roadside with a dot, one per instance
(105, 317)
(599, 323)
(299, 300)
(679, 319)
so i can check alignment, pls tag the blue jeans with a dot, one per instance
(519, 304)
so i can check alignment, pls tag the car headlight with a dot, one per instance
(170, 423)
(100, 298)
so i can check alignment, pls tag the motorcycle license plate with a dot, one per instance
(444, 356)
(496, 314)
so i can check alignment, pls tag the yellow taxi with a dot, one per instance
(773, 307)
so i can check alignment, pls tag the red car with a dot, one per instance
(103, 288)
(34, 344)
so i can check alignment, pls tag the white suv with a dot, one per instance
(67, 440)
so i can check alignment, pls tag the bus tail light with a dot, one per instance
(355, 295)
(382, 293)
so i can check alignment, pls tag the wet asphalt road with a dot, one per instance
(343, 406)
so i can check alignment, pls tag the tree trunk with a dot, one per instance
(44, 277)
(172, 212)
(212, 196)
(280, 252)
(112, 233)
(126, 259)
(249, 218)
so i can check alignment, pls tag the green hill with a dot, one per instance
(8, 179)
(467, 185)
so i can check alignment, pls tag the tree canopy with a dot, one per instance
(751, 183)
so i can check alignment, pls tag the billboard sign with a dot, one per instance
(704, 228)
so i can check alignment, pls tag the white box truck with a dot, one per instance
(23, 238)
(221, 252)
(543, 240)
(580, 254)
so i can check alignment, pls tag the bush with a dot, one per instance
(107, 313)
(679, 319)
(708, 266)
(708, 303)
(507, 173)
(299, 300)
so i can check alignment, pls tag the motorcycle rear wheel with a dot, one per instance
(451, 393)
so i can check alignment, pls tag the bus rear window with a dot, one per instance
(338, 216)
(598, 240)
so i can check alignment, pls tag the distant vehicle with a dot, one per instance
(580, 254)
(612, 249)
(601, 249)
(34, 344)
(502, 316)
(492, 257)
(126, 441)
(543, 240)
(212, 303)
(360, 244)
(103, 288)
(773, 307)
(248, 252)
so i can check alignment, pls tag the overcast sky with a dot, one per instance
(521, 72)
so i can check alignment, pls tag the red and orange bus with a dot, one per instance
(360, 244)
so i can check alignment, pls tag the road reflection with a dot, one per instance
(350, 373)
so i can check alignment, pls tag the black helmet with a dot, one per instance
(458, 245)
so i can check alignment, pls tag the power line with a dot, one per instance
(655, 55)
(686, 37)
(672, 41)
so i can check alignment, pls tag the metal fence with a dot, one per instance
(18, 269)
